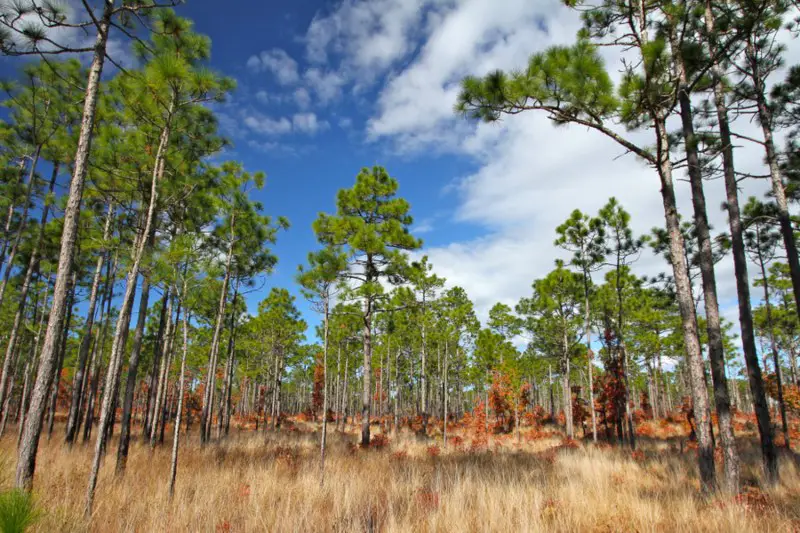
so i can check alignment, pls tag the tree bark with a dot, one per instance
(99, 346)
(567, 392)
(713, 327)
(73, 417)
(324, 436)
(10, 213)
(162, 379)
(130, 384)
(774, 349)
(776, 179)
(117, 348)
(61, 354)
(23, 222)
(31, 364)
(153, 382)
(173, 472)
(29, 445)
(225, 419)
(424, 370)
(208, 396)
(33, 264)
(589, 354)
(694, 358)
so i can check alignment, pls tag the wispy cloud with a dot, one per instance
(278, 62)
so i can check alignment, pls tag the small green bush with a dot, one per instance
(17, 512)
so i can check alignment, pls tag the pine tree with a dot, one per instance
(584, 237)
(371, 225)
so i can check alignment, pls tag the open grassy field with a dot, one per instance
(258, 482)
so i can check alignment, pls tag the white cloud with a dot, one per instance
(278, 62)
(266, 125)
(308, 123)
(302, 98)
(370, 34)
(473, 37)
(529, 174)
(301, 123)
(327, 85)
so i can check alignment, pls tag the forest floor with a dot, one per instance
(271, 482)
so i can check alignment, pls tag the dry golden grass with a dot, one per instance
(250, 483)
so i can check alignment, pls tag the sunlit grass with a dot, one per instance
(255, 483)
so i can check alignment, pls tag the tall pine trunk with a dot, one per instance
(10, 213)
(61, 354)
(29, 444)
(713, 327)
(99, 347)
(366, 397)
(117, 346)
(33, 263)
(208, 396)
(683, 289)
(324, 436)
(130, 383)
(173, 471)
(149, 409)
(776, 179)
(162, 376)
(774, 348)
(589, 354)
(739, 257)
(73, 416)
(23, 221)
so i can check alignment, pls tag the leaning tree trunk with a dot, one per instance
(23, 221)
(23, 412)
(776, 179)
(117, 348)
(149, 411)
(29, 445)
(774, 348)
(33, 263)
(83, 352)
(208, 396)
(162, 377)
(130, 383)
(10, 213)
(713, 327)
(61, 354)
(740, 262)
(173, 471)
(99, 347)
(683, 289)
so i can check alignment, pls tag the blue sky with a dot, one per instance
(327, 87)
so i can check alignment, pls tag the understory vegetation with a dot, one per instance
(154, 378)
(270, 482)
